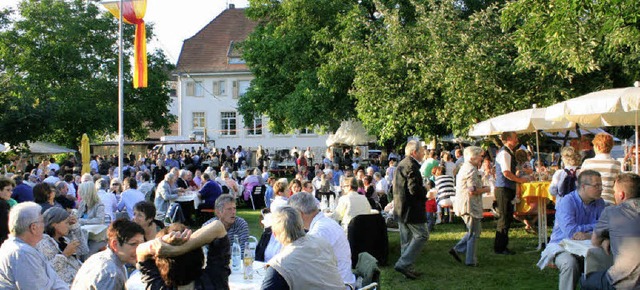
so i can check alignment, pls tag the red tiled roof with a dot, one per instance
(207, 50)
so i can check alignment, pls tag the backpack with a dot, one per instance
(568, 184)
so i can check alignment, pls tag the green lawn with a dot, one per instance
(441, 271)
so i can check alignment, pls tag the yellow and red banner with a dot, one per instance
(132, 13)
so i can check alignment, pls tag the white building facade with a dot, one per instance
(212, 78)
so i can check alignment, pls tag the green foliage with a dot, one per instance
(58, 76)
(430, 67)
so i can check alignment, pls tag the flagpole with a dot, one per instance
(120, 96)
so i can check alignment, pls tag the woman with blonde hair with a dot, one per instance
(91, 210)
(571, 159)
(280, 194)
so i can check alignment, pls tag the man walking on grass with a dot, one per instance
(409, 197)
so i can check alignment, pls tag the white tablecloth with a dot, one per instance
(190, 196)
(595, 259)
(96, 232)
(237, 281)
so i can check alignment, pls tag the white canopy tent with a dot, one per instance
(350, 133)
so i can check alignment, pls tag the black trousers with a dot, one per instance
(504, 196)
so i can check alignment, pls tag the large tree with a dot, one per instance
(58, 76)
(403, 67)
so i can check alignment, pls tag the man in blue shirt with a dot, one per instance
(576, 216)
(21, 192)
(209, 192)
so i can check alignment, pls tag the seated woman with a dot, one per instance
(62, 243)
(180, 245)
(230, 183)
(144, 214)
(305, 261)
(91, 210)
(250, 182)
(281, 196)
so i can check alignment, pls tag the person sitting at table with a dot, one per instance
(576, 217)
(21, 265)
(185, 179)
(209, 192)
(62, 252)
(115, 187)
(230, 183)
(234, 225)
(108, 199)
(268, 195)
(527, 207)
(173, 272)
(144, 214)
(295, 186)
(305, 261)
(90, 210)
(608, 167)
(218, 256)
(280, 193)
(319, 225)
(166, 193)
(251, 181)
(350, 204)
(130, 196)
(618, 230)
(106, 269)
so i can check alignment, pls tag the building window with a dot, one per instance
(195, 89)
(228, 123)
(307, 131)
(219, 88)
(240, 88)
(198, 120)
(256, 127)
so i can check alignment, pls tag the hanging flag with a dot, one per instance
(132, 13)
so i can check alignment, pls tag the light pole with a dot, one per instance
(120, 94)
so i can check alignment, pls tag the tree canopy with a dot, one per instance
(424, 68)
(58, 76)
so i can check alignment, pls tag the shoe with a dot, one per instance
(506, 252)
(472, 265)
(407, 273)
(454, 254)
(531, 231)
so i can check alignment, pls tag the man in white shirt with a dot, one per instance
(351, 204)
(318, 225)
(145, 186)
(130, 196)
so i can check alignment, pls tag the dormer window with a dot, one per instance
(234, 54)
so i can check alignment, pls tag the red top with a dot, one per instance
(431, 205)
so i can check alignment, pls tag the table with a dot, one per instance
(96, 232)
(595, 259)
(190, 196)
(237, 281)
(538, 190)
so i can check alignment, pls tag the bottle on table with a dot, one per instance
(236, 259)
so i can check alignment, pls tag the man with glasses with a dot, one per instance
(22, 266)
(576, 216)
(106, 269)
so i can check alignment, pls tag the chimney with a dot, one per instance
(232, 6)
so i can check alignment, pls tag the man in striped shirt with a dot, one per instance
(608, 167)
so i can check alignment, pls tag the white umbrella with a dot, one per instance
(613, 107)
(524, 121)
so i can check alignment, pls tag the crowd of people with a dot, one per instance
(44, 213)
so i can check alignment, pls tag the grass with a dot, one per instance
(441, 271)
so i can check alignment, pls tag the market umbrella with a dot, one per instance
(85, 151)
(612, 107)
(525, 121)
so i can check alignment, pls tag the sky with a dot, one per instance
(174, 21)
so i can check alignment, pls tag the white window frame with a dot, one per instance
(226, 121)
(252, 129)
(198, 118)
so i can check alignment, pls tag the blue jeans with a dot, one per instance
(431, 220)
(412, 239)
(468, 243)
